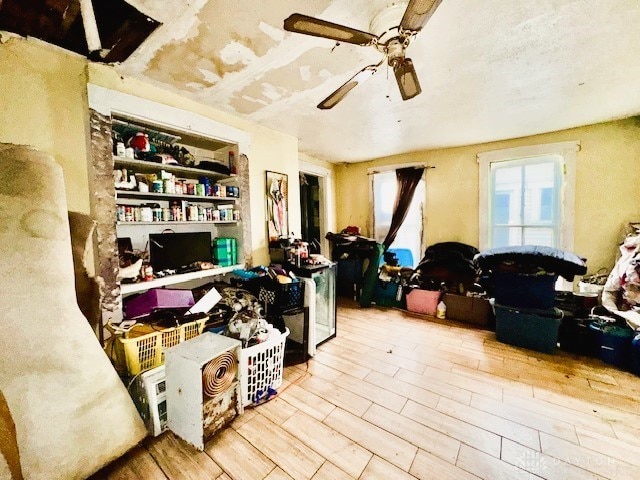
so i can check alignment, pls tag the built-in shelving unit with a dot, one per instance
(172, 196)
(195, 222)
(194, 141)
(144, 165)
(199, 149)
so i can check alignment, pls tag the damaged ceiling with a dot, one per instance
(489, 70)
(121, 27)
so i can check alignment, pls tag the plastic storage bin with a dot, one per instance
(575, 336)
(282, 297)
(423, 301)
(138, 353)
(261, 368)
(533, 329)
(614, 343)
(225, 251)
(155, 298)
(524, 291)
(387, 294)
(635, 354)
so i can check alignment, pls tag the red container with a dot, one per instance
(423, 301)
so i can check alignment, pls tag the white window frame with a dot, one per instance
(569, 153)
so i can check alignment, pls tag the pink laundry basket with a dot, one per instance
(423, 301)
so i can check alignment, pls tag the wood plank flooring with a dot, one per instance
(398, 396)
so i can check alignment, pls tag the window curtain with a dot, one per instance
(407, 181)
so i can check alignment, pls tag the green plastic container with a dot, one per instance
(225, 251)
(533, 329)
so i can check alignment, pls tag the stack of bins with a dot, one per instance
(525, 313)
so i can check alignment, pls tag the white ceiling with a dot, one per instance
(489, 70)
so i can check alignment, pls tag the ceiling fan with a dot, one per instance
(392, 42)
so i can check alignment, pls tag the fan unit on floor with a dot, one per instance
(148, 392)
(203, 387)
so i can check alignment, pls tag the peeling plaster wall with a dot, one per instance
(607, 188)
(43, 104)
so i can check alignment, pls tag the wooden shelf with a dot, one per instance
(169, 196)
(212, 222)
(127, 288)
(177, 169)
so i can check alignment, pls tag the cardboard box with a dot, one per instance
(468, 309)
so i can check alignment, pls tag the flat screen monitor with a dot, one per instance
(175, 250)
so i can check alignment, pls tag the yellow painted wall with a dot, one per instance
(607, 188)
(43, 104)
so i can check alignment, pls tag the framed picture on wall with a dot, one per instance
(277, 196)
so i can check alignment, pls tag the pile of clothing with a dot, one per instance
(447, 265)
(622, 289)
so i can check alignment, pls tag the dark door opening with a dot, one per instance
(310, 207)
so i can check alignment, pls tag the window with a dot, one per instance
(411, 232)
(527, 196)
(525, 202)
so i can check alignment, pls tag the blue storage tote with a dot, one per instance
(635, 354)
(533, 329)
(522, 290)
(387, 294)
(615, 343)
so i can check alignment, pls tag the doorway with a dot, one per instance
(310, 207)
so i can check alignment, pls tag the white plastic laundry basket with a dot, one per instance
(261, 367)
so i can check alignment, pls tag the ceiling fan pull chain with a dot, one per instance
(335, 46)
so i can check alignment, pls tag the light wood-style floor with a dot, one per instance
(397, 396)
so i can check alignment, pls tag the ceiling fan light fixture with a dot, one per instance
(407, 79)
(417, 14)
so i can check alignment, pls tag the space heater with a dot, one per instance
(148, 392)
(203, 386)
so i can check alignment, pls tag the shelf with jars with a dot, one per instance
(173, 182)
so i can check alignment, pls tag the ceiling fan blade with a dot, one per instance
(417, 14)
(299, 23)
(407, 79)
(360, 77)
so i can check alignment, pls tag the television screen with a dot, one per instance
(175, 250)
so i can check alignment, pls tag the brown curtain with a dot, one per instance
(407, 180)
